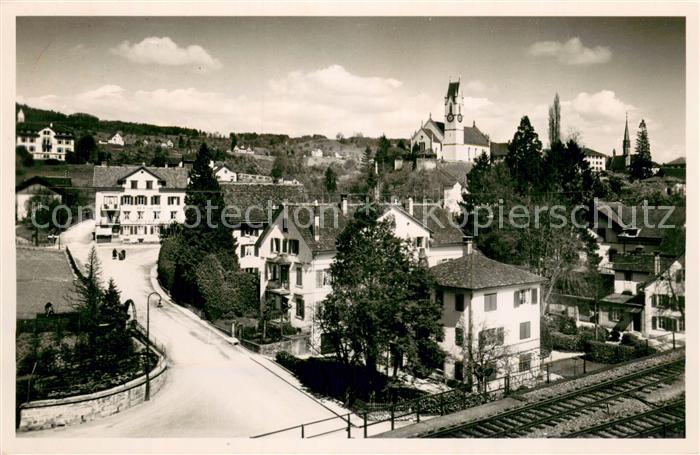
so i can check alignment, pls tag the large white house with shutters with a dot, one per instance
(495, 309)
(132, 203)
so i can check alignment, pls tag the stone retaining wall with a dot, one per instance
(297, 345)
(43, 414)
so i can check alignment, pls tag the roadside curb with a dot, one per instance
(166, 297)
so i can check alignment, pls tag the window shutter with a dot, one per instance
(653, 300)
(535, 296)
(516, 299)
(653, 323)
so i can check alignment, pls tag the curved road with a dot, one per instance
(213, 389)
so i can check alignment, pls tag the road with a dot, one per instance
(213, 389)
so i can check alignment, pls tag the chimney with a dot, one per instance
(344, 204)
(317, 222)
(467, 245)
(409, 206)
(657, 263)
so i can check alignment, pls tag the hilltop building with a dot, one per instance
(451, 140)
(596, 160)
(45, 142)
(623, 162)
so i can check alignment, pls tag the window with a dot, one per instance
(285, 245)
(149, 184)
(275, 245)
(155, 200)
(134, 184)
(523, 362)
(300, 307)
(156, 215)
(141, 200)
(173, 215)
(127, 200)
(490, 303)
(127, 214)
(459, 302)
(294, 247)
(491, 336)
(139, 215)
(419, 242)
(439, 296)
(614, 314)
(459, 336)
(249, 232)
(534, 297)
(524, 330)
(300, 276)
(246, 250)
(491, 371)
(173, 200)
(628, 276)
(322, 278)
(459, 371)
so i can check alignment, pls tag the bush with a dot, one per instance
(166, 262)
(615, 335)
(601, 352)
(545, 337)
(589, 334)
(567, 326)
(629, 339)
(563, 342)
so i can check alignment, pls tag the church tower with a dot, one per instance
(20, 116)
(626, 145)
(454, 129)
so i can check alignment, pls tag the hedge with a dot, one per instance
(561, 342)
(602, 352)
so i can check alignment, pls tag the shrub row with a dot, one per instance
(562, 342)
(601, 352)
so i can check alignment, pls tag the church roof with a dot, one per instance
(474, 136)
(452, 90)
(616, 163)
(499, 149)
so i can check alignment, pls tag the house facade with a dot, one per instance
(596, 160)
(133, 203)
(117, 139)
(45, 142)
(664, 301)
(490, 317)
(50, 188)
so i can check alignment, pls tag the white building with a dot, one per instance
(318, 153)
(20, 116)
(49, 188)
(664, 301)
(50, 142)
(117, 139)
(596, 160)
(297, 248)
(167, 144)
(132, 203)
(451, 140)
(493, 307)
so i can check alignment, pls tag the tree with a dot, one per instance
(25, 158)
(89, 297)
(278, 167)
(113, 312)
(160, 157)
(382, 154)
(180, 142)
(330, 180)
(85, 149)
(373, 308)
(234, 140)
(554, 122)
(485, 355)
(641, 165)
(524, 158)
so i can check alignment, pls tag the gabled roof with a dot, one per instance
(476, 271)
(474, 136)
(594, 153)
(32, 128)
(111, 176)
(651, 225)
(58, 184)
(639, 262)
(499, 149)
(616, 163)
(443, 232)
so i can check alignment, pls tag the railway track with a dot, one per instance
(659, 422)
(552, 411)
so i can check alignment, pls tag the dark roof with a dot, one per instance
(58, 184)
(591, 152)
(616, 163)
(622, 299)
(639, 262)
(452, 90)
(42, 276)
(474, 136)
(654, 224)
(499, 149)
(110, 176)
(32, 128)
(255, 197)
(476, 271)
(435, 218)
(441, 126)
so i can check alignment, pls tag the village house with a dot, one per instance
(132, 203)
(50, 188)
(596, 160)
(117, 139)
(451, 140)
(45, 142)
(664, 300)
(492, 307)
(298, 247)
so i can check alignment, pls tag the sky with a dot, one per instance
(369, 75)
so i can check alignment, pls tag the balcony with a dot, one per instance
(106, 221)
(110, 207)
(278, 287)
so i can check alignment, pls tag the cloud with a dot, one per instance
(474, 86)
(572, 52)
(164, 51)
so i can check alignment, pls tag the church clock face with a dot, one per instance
(450, 117)
(459, 118)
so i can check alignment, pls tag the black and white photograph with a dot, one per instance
(268, 226)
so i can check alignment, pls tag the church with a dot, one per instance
(451, 140)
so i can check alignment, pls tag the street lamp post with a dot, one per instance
(148, 343)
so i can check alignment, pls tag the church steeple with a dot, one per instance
(626, 139)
